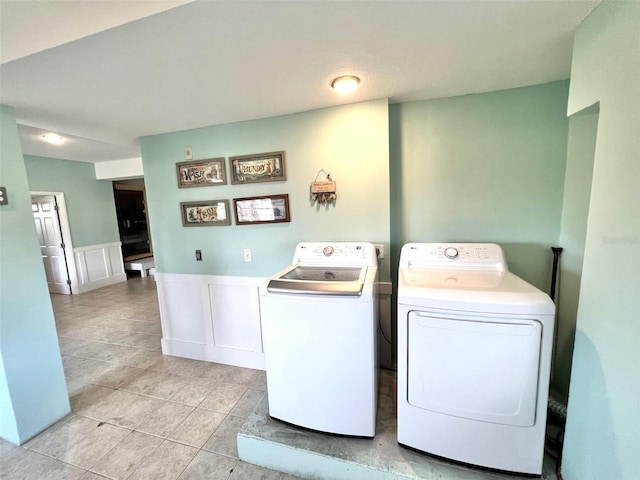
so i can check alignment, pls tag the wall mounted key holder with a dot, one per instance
(324, 191)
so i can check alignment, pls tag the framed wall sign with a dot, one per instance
(201, 173)
(261, 167)
(205, 213)
(266, 209)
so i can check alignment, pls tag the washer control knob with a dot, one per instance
(451, 252)
(328, 251)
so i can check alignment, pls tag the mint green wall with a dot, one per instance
(573, 232)
(603, 417)
(349, 142)
(483, 168)
(90, 204)
(33, 393)
(8, 424)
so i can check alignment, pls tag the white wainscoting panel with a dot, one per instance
(241, 305)
(185, 305)
(211, 317)
(98, 266)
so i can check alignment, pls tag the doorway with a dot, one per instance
(49, 214)
(133, 220)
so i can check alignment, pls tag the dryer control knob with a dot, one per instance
(328, 251)
(451, 252)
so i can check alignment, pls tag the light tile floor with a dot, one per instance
(135, 413)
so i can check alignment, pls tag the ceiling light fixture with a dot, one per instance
(53, 138)
(345, 84)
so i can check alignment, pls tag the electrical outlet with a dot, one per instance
(198, 255)
(246, 254)
(379, 250)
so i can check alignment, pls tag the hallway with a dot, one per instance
(137, 414)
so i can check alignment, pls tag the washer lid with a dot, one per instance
(319, 280)
(324, 274)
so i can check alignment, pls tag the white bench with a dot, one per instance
(142, 265)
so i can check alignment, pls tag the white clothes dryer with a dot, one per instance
(474, 355)
(319, 324)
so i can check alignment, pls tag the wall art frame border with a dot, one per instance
(258, 168)
(262, 209)
(206, 213)
(201, 173)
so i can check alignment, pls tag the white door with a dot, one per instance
(45, 214)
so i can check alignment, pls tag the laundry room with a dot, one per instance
(548, 164)
(480, 168)
(486, 167)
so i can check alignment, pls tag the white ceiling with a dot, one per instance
(103, 73)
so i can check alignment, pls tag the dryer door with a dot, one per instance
(480, 368)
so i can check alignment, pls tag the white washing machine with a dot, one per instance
(319, 324)
(474, 355)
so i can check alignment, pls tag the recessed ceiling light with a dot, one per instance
(346, 83)
(53, 138)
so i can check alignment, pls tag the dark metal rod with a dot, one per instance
(554, 272)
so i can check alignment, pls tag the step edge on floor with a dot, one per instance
(296, 461)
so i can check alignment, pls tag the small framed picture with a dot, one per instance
(261, 167)
(201, 173)
(205, 214)
(266, 209)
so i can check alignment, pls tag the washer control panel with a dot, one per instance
(451, 252)
(328, 251)
(453, 255)
(355, 253)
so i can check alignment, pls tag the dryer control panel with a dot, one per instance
(453, 255)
